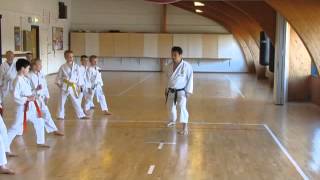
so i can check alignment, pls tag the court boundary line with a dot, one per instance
(265, 126)
(286, 152)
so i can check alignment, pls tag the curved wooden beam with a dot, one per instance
(304, 18)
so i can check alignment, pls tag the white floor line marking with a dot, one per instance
(236, 87)
(285, 151)
(134, 85)
(159, 142)
(194, 123)
(151, 169)
(160, 146)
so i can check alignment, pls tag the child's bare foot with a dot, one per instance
(5, 170)
(58, 133)
(43, 146)
(86, 112)
(107, 113)
(10, 154)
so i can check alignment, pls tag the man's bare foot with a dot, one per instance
(5, 170)
(10, 154)
(43, 146)
(184, 132)
(60, 118)
(107, 113)
(171, 124)
(185, 129)
(85, 117)
(58, 133)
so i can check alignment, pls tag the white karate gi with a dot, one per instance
(21, 90)
(181, 78)
(37, 79)
(7, 74)
(70, 74)
(96, 83)
(4, 135)
(84, 83)
(3, 157)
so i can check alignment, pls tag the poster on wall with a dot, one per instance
(17, 38)
(57, 38)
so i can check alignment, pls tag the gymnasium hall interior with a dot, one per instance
(254, 113)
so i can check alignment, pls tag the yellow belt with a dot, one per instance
(72, 85)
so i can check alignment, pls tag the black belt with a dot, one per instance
(175, 91)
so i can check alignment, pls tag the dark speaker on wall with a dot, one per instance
(264, 49)
(63, 11)
(271, 63)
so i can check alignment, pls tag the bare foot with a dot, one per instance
(86, 112)
(184, 132)
(10, 154)
(43, 146)
(58, 133)
(5, 170)
(85, 117)
(185, 129)
(171, 124)
(107, 113)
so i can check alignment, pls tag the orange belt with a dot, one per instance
(26, 108)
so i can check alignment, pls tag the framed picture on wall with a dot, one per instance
(57, 38)
(17, 38)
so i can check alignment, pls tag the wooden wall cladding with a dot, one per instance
(147, 45)
(78, 42)
(92, 41)
(150, 45)
(164, 45)
(195, 46)
(136, 45)
(106, 45)
(299, 69)
(210, 45)
(121, 44)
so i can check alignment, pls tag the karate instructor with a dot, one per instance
(179, 89)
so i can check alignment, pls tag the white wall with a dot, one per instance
(16, 12)
(136, 16)
(124, 15)
(141, 16)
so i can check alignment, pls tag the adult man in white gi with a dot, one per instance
(179, 88)
(8, 73)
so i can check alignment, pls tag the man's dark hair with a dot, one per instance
(177, 49)
(22, 63)
(83, 56)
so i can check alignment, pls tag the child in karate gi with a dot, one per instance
(68, 80)
(96, 83)
(40, 87)
(27, 106)
(84, 80)
(4, 149)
